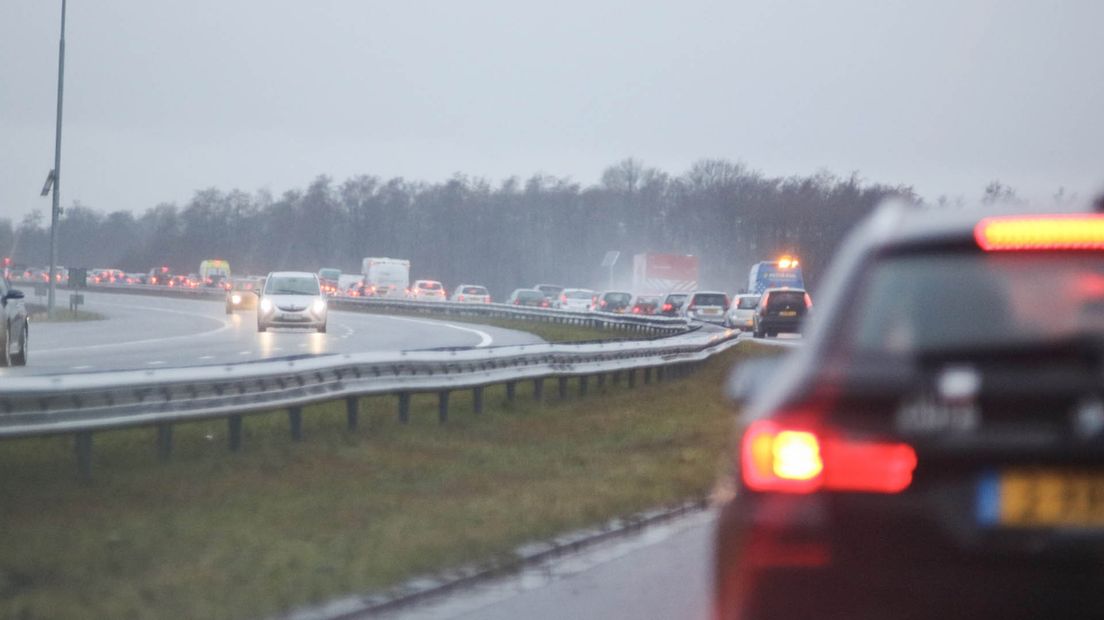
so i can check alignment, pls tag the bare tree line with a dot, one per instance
(504, 235)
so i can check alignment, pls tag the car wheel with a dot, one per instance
(261, 327)
(6, 357)
(20, 359)
(322, 329)
(229, 310)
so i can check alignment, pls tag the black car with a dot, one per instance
(935, 448)
(673, 303)
(780, 310)
(15, 326)
(528, 297)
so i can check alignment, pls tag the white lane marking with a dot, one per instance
(244, 352)
(206, 357)
(223, 325)
(83, 367)
(277, 348)
(302, 345)
(485, 339)
(155, 363)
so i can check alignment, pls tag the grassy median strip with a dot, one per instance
(214, 534)
(549, 332)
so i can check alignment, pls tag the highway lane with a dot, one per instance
(662, 572)
(148, 332)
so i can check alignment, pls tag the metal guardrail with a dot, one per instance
(648, 324)
(81, 404)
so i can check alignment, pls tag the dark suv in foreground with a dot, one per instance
(935, 449)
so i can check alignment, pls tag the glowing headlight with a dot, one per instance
(319, 306)
(235, 299)
(266, 305)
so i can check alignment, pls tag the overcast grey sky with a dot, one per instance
(169, 96)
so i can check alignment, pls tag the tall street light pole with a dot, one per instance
(56, 210)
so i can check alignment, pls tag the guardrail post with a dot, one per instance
(442, 406)
(83, 448)
(235, 436)
(164, 440)
(352, 409)
(477, 399)
(647, 375)
(632, 377)
(511, 391)
(295, 418)
(538, 388)
(563, 388)
(583, 380)
(617, 377)
(659, 374)
(601, 381)
(404, 408)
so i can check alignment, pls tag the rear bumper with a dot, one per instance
(780, 325)
(278, 318)
(796, 556)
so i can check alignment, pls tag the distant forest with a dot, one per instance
(468, 230)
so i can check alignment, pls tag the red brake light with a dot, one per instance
(667, 307)
(636, 309)
(808, 301)
(460, 297)
(1042, 232)
(801, 459)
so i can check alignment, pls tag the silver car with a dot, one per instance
(741, 314)
(292, 299)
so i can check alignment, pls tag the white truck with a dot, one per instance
(386, 277)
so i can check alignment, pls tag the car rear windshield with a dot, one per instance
(931, 303)
(786, 298)
(291, 285)
(579, 294)
(430, 286)
(550, 289)
(710, 299)
(330, 274)
(748, 303)
(473, 290)
(530, 295)
(618, 298)
(677, 299)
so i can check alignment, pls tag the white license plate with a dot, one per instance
(291, 317)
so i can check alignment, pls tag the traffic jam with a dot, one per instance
(774, 300)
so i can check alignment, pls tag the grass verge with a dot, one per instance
(549, 332)
(64, 315)
(212, 534)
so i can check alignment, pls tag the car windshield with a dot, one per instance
(923, 303)
(529, 295)
(748, 303)
(710, 299)
(473, 290)
(330, 274)
(617, 298)
(292, 285)
(787, 298)
(579, 294)
(429, 286)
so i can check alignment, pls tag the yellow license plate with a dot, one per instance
(1042, 498)
(788, 313)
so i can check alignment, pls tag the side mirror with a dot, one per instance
(747, 378)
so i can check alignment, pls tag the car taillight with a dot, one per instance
(763, 304)
(808, 301)
(517, 302)
(1041, 232)
(668, 307)
(801, 459)
(460, 298)
(563, 299)
(636, 309)
(602, 303)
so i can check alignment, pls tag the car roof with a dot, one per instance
(292, 274)
(783, 289)
(710, 293)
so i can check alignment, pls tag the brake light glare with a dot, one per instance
(800, 459)
(1042, 232)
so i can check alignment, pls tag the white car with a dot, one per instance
(471, 294)
(427, 290)
(577, 299)
(741, 314)
(708, 306)
(292, 299)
